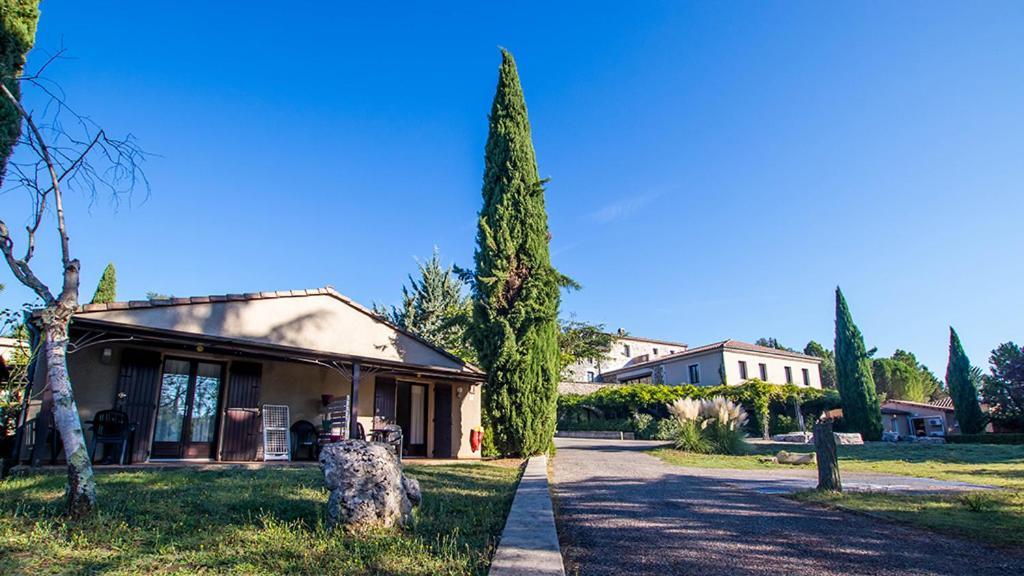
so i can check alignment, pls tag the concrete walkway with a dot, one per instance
(625, 512)
(529, 542)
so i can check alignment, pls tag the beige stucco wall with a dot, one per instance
(776, 368)
(296, 385)
(711, 363)
(319, 322)
(917, 410)
(466, 416)
(678, 372)
(617, 358)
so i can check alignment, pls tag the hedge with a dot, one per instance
(1014, 438)
(617, 403)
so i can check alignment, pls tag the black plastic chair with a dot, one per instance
(304, 436)
(111, 427)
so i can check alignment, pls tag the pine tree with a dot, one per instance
(962, 388)
(861, 411)
(435, 308)
(515, 287)
(106, 290)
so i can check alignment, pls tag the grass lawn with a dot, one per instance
(994, 517)
(238, 521)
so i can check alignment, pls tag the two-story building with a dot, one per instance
(626, 351)
(725, 362)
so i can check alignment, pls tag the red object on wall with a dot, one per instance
(475, 438)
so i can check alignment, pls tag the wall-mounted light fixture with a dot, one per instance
(459, 391)
(200, 348)
(106, 355)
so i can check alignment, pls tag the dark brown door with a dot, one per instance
(384, 402)
(137, 386)
(242, 414)
(442, 421)
(186, 414)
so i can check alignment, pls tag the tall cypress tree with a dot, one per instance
(861, 411)
(18, 21)
(106, 290)
(962, 389)
(515, 287)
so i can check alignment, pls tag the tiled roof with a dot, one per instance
(723, 345)
(936, 405)
(250, 296)
(155, 302)
(651, 340)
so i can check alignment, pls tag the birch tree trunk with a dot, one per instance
(81, 488)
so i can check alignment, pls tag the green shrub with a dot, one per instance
(690, 437)
(727, 439)
(782, 424)
(666, 429)
(599, 425)
(985, 439)
(644, 426)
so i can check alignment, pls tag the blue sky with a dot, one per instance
(716, 168)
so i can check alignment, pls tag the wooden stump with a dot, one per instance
(828, 464)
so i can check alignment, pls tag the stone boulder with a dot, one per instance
(367, 486)
(784, 457)
(849, 438)
(794, 437)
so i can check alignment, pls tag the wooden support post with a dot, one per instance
(353, 425)
(828, 463)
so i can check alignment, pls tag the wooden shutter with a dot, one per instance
(242, 437)
(442, 421)
(384, 402)
(138, 386)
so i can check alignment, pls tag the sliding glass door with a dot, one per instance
(186, 416)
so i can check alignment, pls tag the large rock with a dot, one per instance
(848, 438)
(794, 437)
(367, 486)
(784, 457)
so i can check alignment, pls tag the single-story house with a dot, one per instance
(919, 419)
(207, 377)
(725, 362)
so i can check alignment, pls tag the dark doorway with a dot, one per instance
(442, 421)
(137, 385)
(412, 417)
(242, 438)
(186, 413)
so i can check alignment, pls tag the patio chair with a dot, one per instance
(52, 441)
(304, 436)
(392, 436)
(111, 427)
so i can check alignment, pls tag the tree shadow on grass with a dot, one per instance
(207, 519)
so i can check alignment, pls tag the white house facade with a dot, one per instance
(626, 351)
(726, 362)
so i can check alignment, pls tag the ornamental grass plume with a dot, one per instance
(685, 409)
(724, 412)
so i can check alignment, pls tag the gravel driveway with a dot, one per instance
(625, 512)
